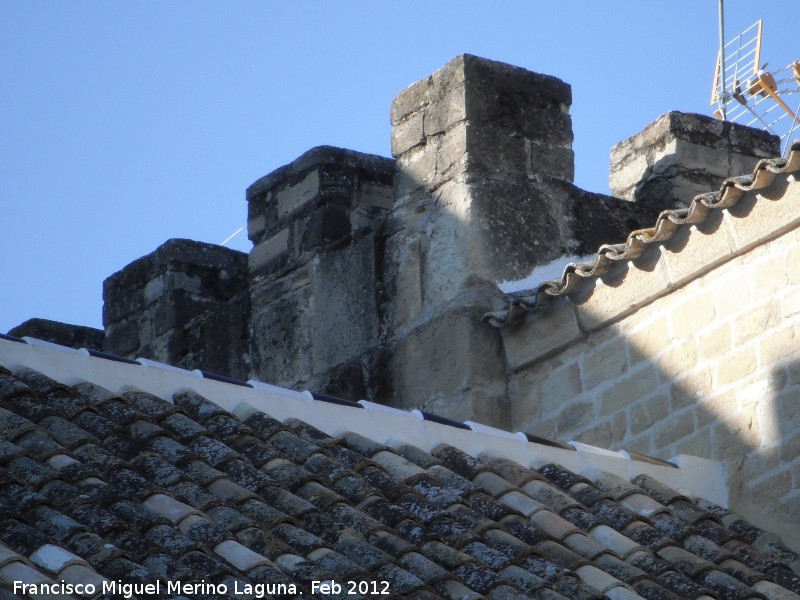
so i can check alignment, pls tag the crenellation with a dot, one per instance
(179, 305)
(368, 278)
(681, 155)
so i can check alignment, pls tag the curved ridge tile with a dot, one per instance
(667, 224)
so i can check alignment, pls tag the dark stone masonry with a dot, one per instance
(368, 275)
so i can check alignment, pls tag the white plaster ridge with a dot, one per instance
(700, 477)
(552, 270)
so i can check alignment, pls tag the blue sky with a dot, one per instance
(124, 124)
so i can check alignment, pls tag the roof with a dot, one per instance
(114, 470)
(665, 227)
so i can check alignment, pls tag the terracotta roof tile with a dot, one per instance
(665, 227)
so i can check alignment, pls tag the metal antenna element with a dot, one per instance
(744, 91)
(721, 86)
(233, 235)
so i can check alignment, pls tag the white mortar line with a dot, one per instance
(697, 476)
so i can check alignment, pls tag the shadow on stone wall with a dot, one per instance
(709, 369)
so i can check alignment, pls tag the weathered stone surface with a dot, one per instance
(271, 254)
(695, 250)
(344, 305)
(681, 155)
(461, 359)
(314, 292)
(621, 291)
(766, 215)
(185, 304)
(322, 177)
(369, 276)
(280, 337)
(72, 336)
(541, 335)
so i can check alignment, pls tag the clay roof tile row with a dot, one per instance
(141, 488)
(664, 229)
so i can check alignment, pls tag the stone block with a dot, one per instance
(326, 225)
(643, 444)
(736, 365)
(407, 134)
(495, 89)
(674, 429)
(415, 170)
(546, 428)
(790, 508)
(727, 304)
(375, 196)
(525, 401)
(759, 463)
(451, 153)
(687, 390)
(790, 447)
(293, 197)
(696, 249)
(256, 226)
(457, 353)
(780, 344)
(404, 288)
(637, 385)
(769, 491)
(604, 363)
(793, 272)
(343, 305)
(544, 160)
(717, 407)
(786, 406)
(560, 387)
(621, 291)
(442, 114)
(72, 336)
(269, 253)
(698, 444)
(768, 276)
(716, 342)
(122, 336)
(649, 340)
(648, 412)
(493, 153)
(542, 334)
(574, 416)
(758, 320)
(412, 99)
(790, 303)
(692, 315)
(600, 435)
(170, 281)
(766, 215)
(677, 359)
(680, 155)
(280, 339)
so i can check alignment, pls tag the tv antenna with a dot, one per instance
(744, 91)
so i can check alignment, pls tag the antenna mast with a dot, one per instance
(744, 91)
(721, 90)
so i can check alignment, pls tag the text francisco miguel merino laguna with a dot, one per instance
(253, 590)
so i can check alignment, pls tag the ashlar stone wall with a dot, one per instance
(316, 271)
(692, 349)
(483, 192)
(185, 304)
